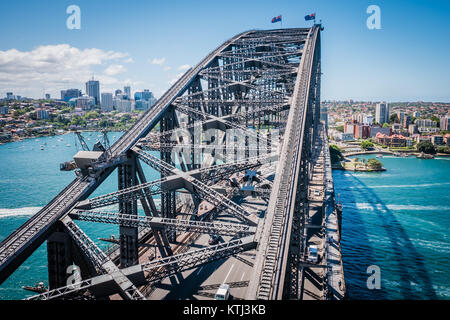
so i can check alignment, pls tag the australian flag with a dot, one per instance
(311, 16)
(276, 19)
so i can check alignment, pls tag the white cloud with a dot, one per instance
(115, 69)
(53, 66)
(167, 68)
(158, 61)
(184, 67)
(129, 60)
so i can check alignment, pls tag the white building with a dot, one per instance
(85, 102)
(368, 119)
(382, 112)
(107, 102)
(425, 123)
(122, 105)
(42, 114)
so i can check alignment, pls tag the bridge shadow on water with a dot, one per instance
(409, 263)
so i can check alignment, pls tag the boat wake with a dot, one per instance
(18, 212)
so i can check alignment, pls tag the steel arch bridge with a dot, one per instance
(242, 122)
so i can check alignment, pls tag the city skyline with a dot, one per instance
(40, 55)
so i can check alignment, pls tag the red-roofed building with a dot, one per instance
(395, 140)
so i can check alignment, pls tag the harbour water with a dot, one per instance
(29, 179)
(398, 219)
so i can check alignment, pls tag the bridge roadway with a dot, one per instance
(274, 235)
(18, 246)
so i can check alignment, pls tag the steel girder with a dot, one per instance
(220, 228)
(195, 186)
(127, 290)
(155, 270)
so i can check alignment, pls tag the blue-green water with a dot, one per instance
(398, 220)
(29, 179)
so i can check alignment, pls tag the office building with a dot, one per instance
(144, 100)
(412, 129)
(85, 102)
(368, 119)
(42, 114)
(362, 131)
(382, 112)
(425, 123)
(68, 94)
(107, 102)
(121, 104)
(93, 90)
(4, 110)
(400, 116)
(406, 121)
(47, 96)
(437, 140)
(127, 92)
(445, 123)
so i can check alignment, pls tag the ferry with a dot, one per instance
(39, 288)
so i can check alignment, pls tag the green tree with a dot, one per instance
(443, 149)
(91, 115)
(374, 164)
(340, 128)
(366, 145)
(386, 125)
(434, 118)
(394, 118)
(426, 147)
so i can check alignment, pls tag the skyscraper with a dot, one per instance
(144, 100)
(127, 92)
(93, 90)
(382, 113)
(107, 102)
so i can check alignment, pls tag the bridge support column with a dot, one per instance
(168, 200)
(128, 235)
(59, 257)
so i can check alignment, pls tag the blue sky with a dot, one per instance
(148, 44)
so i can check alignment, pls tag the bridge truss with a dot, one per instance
(241, 122)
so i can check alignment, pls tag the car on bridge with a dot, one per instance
(313, 254)
(223, 293)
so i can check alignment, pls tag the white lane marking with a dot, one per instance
(200, 270)
(243, 275)
(229, 271)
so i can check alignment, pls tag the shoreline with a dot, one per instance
(54, 135)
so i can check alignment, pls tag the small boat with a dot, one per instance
(42, 147)
(67, 145)
(39, 288)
